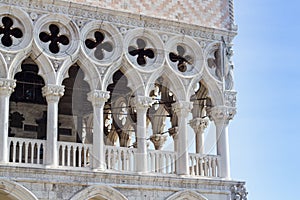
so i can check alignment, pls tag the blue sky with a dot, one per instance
(265, 135)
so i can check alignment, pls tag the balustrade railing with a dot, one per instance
(162, 162)
(120, 158)
(75, 155)
(26, 151)
(204, 165)
(31, 152)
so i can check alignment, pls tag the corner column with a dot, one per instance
(98, 99)
(6, 89)
(141, 104)
(199, 125)
(221, 116)
(52, 94)
(182, 110)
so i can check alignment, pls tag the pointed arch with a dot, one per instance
(99, 191)
(187, 194)
(16, 190)
(46, 69)
(214, 88)
(175, 84)
(91, 73)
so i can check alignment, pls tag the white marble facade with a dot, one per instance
(146, 79)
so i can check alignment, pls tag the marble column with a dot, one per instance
(199, 125)
(52, 94)
(6, 88)
(182, 110)
(141, 105)
(98, 99)
(221, 116)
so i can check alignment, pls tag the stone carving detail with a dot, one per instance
(228, 68)
(158, 140)
(221, 113)
(141, 102)
(181, 58)
(9, 31)
(220, 64)
(199, 124)
(182, 108)
(100, 46)
(7, 86)
(53, 90)
(230, 98)
(98, 97)
(141, 52)
(238, 192)
(54, 37)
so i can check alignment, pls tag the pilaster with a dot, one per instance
(98, 99)
(6, 88)
(52, 94)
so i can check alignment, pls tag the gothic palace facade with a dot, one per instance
(98, 100)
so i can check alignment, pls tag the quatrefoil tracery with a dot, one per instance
(8, 32)
(141, 52)
(99, 44)
(54, 37)
(181, 58)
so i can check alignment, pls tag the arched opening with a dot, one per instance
(119, 116)
(119, 125)
(28, 107)
(27, 116)
(75, 124)
(162, 128)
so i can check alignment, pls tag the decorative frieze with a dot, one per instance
(7, 86)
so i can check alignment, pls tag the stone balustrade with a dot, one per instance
(26, 151)
(204, 165)
(162, 162)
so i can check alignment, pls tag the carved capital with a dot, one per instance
(98, 97)
(53, 92)
(238, 192)
(230, 98)
(182, 108)
(141, 102)
(158, 140)
(7, 86)
(221, 113)
(199, 124)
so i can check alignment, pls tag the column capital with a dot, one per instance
(7, 86)
(182, 108)
(98, 97)
(221, 113)
(53, 92)
(199, 124)
(141, 102)
(158, 140)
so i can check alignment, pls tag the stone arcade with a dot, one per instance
(97, 99)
